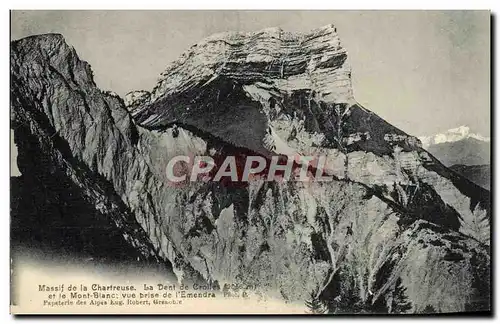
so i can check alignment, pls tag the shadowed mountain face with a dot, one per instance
(391, 234)
(468, 151)
(479, 174)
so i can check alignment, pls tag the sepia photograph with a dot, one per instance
(312, 162)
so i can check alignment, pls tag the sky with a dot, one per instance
(423, 71)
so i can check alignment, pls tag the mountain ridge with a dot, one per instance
(302, 121)
(369, 224)
(452, 135)
(468, 151)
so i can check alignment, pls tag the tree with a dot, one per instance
(315, 305)
(428, 310)
(481, 290)
(400, 303)
(341, 296)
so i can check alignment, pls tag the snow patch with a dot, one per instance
(452, 135)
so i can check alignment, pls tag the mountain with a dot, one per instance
(479, 174)
(452, 135)
(458, 146)
(467, 151)
(390, 234)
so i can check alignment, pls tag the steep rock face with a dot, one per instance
(295, 61)
(366, 238)
(275, 92)
(69, 136)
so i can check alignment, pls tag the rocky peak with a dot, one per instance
(51, 44)
(289, 83)
(51, 52)
(394, 224)
(288, 60)
(135, 98)
(275, 92)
